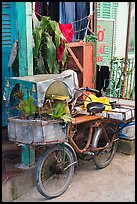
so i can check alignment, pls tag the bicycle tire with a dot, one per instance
(100, 141)
(47, 161)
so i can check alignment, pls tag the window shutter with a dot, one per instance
(8, 26)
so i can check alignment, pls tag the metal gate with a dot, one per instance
(117, 77)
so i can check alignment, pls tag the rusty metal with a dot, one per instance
(71, 134)
(73, 131)
(74, 145)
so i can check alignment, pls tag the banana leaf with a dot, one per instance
(58, 34)
(44, 22)
(64, 56)
(37, 35)
(49, 52)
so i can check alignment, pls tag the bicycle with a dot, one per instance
(90, 136)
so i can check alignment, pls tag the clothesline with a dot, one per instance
(73, 21)
(79, 30)
(84, 17)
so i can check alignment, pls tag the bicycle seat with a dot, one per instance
(95, 107)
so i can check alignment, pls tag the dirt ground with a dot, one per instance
(115, 183)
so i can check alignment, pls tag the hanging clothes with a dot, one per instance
(67, 14)
(68, 32)
(82, 10)
(53, 10)
(40, 10)
(102, 78)
(73, 12)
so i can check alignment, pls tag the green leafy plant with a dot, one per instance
(59, 112)
(47, 38)
(26, 107)
(51, 111)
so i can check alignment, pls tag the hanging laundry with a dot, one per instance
(67, 14)
(40, 10)
(82, 10)
(74, 12)
(102, 78)
(68, 33)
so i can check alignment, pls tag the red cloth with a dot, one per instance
(68, 33)
(60, 51)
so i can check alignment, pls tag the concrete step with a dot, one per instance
(17, 185)
(126, 146)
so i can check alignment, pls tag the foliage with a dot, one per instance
(26, 107)
(50, 110)
(59, 112)
(47, 38)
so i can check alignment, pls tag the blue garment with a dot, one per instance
(82, 10)
(67, 14)
(70, 12)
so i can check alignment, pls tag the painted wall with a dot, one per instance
(121, 28)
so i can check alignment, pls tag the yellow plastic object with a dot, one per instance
(103, 100)
(62, 98)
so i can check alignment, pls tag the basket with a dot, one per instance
(35, 132)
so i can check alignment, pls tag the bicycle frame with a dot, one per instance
(92, 122)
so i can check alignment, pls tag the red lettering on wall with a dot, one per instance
(100, 35)
(99, 59)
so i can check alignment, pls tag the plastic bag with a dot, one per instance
(103, 100)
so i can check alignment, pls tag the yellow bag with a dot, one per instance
(103, 100)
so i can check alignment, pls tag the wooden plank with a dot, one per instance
(88, 66)
(24, 20)
(29, 38)
(75, 59)
(24, 39)
(84, 118)
(79, 44)
(75, 44)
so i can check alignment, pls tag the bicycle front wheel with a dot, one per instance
(103, 157)
(54, 171)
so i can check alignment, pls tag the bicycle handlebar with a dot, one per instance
(88, 89)
(91, 90)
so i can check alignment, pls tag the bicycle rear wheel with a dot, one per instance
(54, 171)
(103, 158)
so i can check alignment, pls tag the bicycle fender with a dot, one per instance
(96, 137)
(72, 150)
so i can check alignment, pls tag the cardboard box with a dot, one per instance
(124, 113)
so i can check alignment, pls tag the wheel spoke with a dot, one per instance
(56, 169)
